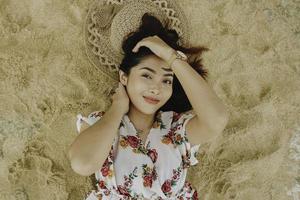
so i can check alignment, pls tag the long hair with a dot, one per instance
(151, 26)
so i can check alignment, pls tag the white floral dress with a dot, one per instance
(154, 170)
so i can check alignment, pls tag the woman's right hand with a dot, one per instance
(120, 99)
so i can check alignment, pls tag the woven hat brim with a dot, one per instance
(98, 46)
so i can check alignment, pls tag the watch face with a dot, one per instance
(182, 55)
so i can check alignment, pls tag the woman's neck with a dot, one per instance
(141, 121)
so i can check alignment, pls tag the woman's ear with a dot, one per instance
(123, 77)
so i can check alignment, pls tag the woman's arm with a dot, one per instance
(208, 108)
(91, 147)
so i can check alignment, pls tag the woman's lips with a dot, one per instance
(151, 100)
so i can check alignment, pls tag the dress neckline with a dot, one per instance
(146, 143)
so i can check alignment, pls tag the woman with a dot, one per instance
(142, 140)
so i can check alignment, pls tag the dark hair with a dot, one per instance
(151, 26)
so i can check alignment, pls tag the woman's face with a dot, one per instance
(150, 78)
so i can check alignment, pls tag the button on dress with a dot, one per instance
(153, 170)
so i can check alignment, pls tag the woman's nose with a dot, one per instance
(155, 89)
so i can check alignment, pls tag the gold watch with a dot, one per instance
(177, 55)
(181, 55)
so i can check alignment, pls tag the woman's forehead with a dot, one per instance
(154, 64)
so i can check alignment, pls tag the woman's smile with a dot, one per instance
(150, 100)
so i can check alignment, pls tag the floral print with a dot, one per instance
(133, 170)
(168, 184)
(126, 188)
(137, 147)
(149, 175)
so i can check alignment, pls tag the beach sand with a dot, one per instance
(254, 68)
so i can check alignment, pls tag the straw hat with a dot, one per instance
(109, 21)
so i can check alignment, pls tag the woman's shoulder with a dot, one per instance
(176, 115)
(174, 118)
(179, 118)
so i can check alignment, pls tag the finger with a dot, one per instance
(135, 49)
(137, 46)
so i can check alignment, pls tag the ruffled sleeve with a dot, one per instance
(189, 153)
(90, 120)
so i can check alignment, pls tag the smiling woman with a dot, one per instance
(147, 60)
(145, 127)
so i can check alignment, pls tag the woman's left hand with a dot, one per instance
(157, 46)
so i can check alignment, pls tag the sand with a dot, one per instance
(254, 67)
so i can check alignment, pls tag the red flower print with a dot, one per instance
(166, 187)
(188, 186)
(186, 160)
(152, 154)
(101, 184)
(133, 141)
(147, 181)
(195, 195)
(176, 116)
(105, 170)
(123, 190)
(99, 114)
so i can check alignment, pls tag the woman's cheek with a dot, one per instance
(168, 93)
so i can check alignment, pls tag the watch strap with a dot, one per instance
(174, 56)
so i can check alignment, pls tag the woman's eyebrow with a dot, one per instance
(153, 71)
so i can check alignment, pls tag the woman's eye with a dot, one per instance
(146, 75)
(170, 82)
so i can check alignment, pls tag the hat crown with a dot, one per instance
(128, 19)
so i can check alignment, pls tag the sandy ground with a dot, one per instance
(254, 66)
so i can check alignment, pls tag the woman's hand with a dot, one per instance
(120, 98)
(157, 46)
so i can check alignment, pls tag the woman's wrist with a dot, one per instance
(171, 57)
(175, 55)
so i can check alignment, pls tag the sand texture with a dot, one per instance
(254, 67)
